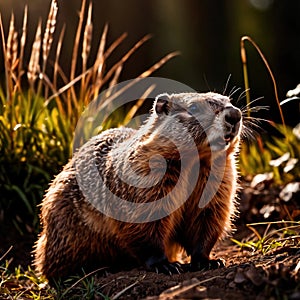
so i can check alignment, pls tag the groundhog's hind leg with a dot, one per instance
(170, 259)
(200, 258)
(203, 240)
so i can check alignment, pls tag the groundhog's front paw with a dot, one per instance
(208, 264)
(164, 266)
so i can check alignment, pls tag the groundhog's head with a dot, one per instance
(209, 118)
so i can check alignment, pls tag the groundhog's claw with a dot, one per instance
(216, 263)
(168, 268)
(210, 264)
(164, 266)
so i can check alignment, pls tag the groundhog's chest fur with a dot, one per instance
(110, 215)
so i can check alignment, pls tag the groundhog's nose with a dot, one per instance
(232, 115)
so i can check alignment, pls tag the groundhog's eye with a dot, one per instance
(193, 108)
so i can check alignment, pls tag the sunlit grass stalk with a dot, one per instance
(246, 80)
(72, 96)
(34, 65)
(22, 46)
(87, 38)
(158, 65)
(99, 66)
(9, 82)
(99, 63)
(245, 73)
(11, 56)
(47, 41)
(86, 48)
(57, 56)
(33, 73)
(56, 69)
(77, 40)
(124, 58)
(6, 66)
(137, 105)
(12, 51)
(49, 31)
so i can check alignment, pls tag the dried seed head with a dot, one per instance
(34, 66)
(50, 28)
(87, 37)
(12, 45)
(23, 42)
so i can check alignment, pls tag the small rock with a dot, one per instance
(230, 275)
(239, 277)
(295, 296)
(254, 276)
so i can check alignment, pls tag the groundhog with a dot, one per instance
(146, 197)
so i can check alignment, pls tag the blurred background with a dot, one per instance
(207, 33)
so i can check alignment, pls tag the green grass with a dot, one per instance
(25, 284)
(276, 236)
(20, 284)
(271, 154)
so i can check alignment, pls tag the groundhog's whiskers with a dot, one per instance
(233, 91)
(248, 105)
(251, 125)
(226, 85)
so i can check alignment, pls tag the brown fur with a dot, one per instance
(76, 235)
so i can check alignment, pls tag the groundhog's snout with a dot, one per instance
(232, 119)
(232, 115)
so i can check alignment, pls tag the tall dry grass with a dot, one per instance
(40, 103)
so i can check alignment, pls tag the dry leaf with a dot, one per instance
(278, 161)
(261, 178)
(289, 190)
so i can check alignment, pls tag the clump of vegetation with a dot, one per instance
(271, 169)
(277, 235)
(25, 284)
(273, 155)
(278, 155)
(21, 284)
(38, 115)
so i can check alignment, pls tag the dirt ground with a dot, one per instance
(247, 275)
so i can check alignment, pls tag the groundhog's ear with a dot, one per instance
(162, 104)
